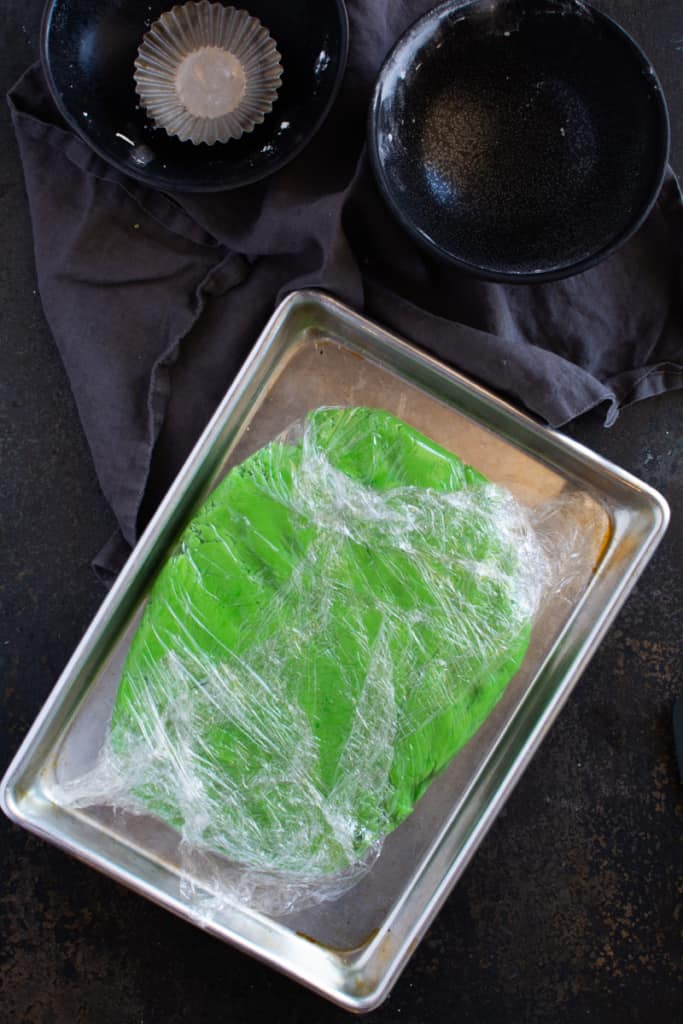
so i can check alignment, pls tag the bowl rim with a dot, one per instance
(485, 273)
(150, 179)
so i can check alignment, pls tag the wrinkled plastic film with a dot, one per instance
(335, 624)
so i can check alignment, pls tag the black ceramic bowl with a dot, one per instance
(520, 141)
(88, 50)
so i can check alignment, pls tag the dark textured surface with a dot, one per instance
(89, 46)
(573, 907)
(522, 140)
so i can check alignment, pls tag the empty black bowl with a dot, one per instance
(520, 141)
(88, 54)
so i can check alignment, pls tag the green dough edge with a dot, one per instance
(325, 623)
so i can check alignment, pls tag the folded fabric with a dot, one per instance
(154, 299)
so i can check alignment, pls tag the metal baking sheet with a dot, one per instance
(313, 352)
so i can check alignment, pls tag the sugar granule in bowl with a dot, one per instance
(207, 73)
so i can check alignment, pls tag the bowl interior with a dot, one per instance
(521, 140)
(88, 52)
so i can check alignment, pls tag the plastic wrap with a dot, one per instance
(334, 624)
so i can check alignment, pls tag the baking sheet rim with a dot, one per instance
(365, 996)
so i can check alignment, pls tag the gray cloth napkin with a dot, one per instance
(154, 300)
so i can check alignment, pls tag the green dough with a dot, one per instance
(335, 623)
